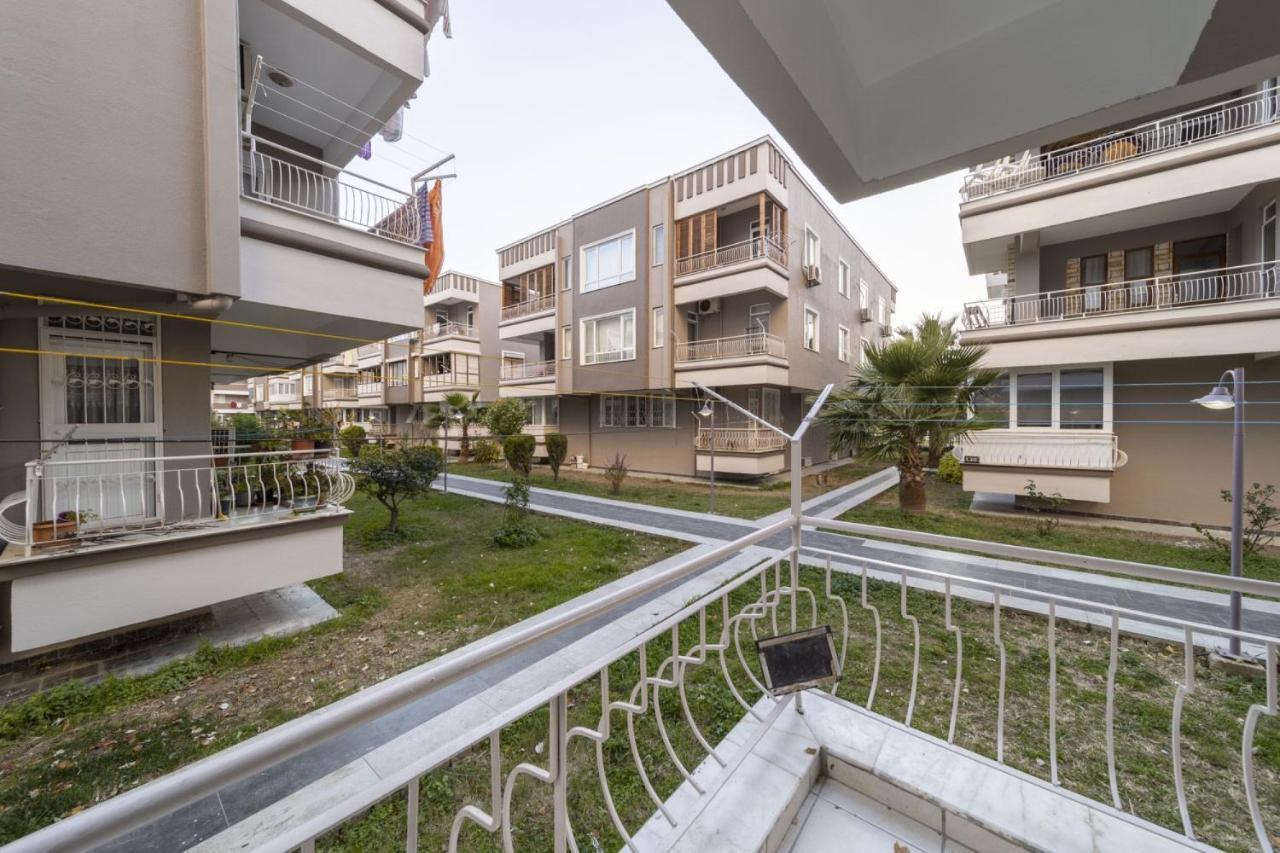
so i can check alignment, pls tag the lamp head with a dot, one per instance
(1218, 399)
(705, 411)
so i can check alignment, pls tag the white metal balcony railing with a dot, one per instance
(440, 330)
(733, 254)
(752, 343)
(514, 370)
(313, 187)
(1245, 283)
(695, 648)
(84, 500)
(454, 282)
(1077, 450)
(456, 377)
(750, 439)
(536, 305)
(1246, 112)
(369, 389)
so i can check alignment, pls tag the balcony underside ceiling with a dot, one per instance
(876, 95)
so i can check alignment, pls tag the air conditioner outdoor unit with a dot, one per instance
(812, 274)
(709, 306)
(864, 314)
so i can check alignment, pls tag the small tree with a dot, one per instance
(506, 417)
(517, 529)
(519, 452)
(616, 473)
(484, 451)
(353, 439)
(391, 476)
(458, 411)
(557, 450)
(1045, 506)
(1261, 522)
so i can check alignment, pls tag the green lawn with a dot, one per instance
(738, 501)
(948, 514)
(402, 603)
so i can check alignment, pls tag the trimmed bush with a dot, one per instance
(949, 470)
(519, 452)
(506, 417)
(484, 451)
(353, 438)
(557, 450)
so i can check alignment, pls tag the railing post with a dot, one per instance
(797, 478)
(560, 774)
(30, 509)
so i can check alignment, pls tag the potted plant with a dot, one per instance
(225, 493)
(63, 526)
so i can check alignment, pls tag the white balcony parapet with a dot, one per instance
(732, 255)
(86, 500)
(1245, 283)
(315, 188)
(1246, 112)
(738, 346)
(517, 370)
(536, 305)
(751, 439)
(440, 330)
(1076, 450)
(450, 378)
(700, 642)
(369, 389)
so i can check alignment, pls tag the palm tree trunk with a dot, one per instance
(464, 446)
(911, 494)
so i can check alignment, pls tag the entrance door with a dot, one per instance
(1195, 263)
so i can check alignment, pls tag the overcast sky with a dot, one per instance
(552, 107)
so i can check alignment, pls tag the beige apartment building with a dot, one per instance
(201, 168)
(1129, 266)
(731, 274)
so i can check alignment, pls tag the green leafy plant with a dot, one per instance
(949, 470)
(506, 417)
(557, 450)
(909, 400)
(458, 411)
(1261, 522)
(485, 451)
(517, 529)
(1045, 506)
(353, 439)
(519, 452)
(616, 473)
(392, 475)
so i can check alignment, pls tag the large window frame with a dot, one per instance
(843, 277)
(637, 411)
(590, 354)
(1055, 401)
(812, 247)
(658, 245)
(591, 255)
(816, 343)
(843, 347)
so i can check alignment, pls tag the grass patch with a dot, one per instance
(949, 514)
(402, 602)
(733, 500)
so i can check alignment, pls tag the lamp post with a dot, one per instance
(1219, 399)
(444, 457)
(709, 411)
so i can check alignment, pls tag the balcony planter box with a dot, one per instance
(305, 504)
(48, 531)
(304, 444)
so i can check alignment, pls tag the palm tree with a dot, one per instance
(461, 409)
(908, 401)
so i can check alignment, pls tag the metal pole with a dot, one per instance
(712, 502)
(444, 457)
(1237, 501)
(797, 477)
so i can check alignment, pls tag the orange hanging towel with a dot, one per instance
(435, 249)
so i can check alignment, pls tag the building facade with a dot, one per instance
(731, 274)
(220, 233)
(1130, 266)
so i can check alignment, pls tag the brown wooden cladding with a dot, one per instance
(530, 285)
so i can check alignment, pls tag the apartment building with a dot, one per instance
(1128, 267)
(731, 274)
(202, 169)
(230, 398)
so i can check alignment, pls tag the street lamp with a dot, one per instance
(455, 415)
(1219, 400)
(709, 411)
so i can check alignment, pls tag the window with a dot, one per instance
(307, 383)
(691, 323)
(864, 294)
(866, 344)
(1066, 398)
(567, 263)
(884, 311)
(1093, 274)
(758, 318)
(812, 248)
(810, 329)
(543, 411)
(609, 262)
(658, 250)
(1138, 265)
(842, 350)
(611, 337)
(991, 404)
(397, 373)
(766, 404)
(566, 341)
(1080, 399)
(659, 327)
(1035, 399)
(637, 410)
(842, 278)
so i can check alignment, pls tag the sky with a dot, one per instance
(553, 107)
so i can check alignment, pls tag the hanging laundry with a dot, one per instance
(435, 250)
(366, 150)
(426, 228)
(394, 129)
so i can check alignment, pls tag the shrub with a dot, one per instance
(949, 470)
(1045, 506)
(506, 417)
(353, 439)
(1261, 517)
(517, 529)
(484, 451)
(392, 475)
(519, 452)
(557, 450)
(616, 473)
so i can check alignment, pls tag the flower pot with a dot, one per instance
(242, 499)
(225, 503)
(304, 444)
(304, 504)
(48, 531)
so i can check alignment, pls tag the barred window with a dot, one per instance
(658, 410)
